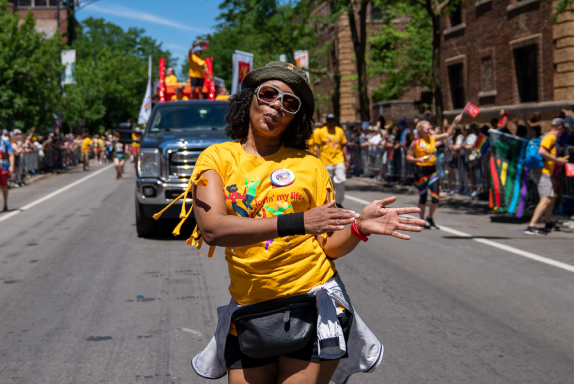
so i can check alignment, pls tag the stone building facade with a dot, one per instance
(45, 13)
(507, 54)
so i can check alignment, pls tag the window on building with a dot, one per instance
(41, 3)
(54, 3)
(456, 79)
(456, 16)
(526, 62)
(25, 3)
(486, 78)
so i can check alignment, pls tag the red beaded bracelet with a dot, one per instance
(358, 234)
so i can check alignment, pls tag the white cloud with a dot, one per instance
(128, 13)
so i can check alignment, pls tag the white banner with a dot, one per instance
(242, 65)
(69, 60)
(302, 60)
(145, 110)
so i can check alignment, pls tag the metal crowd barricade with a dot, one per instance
(391, 165)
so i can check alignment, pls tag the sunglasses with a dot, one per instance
(268, 94)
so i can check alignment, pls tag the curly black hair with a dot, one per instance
(296, 135)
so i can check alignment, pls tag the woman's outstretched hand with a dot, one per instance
(376, 218)
(326, 218)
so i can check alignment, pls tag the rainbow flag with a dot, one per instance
(509, 175)
(482, 144)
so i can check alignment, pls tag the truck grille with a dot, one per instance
(182, 163)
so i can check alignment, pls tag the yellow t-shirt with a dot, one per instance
(222, 97)
(311, 142)
(196, 66)
(331, 143)
(277, 267)
(136, 136)
(174, 98)
(425, 148)
(171, 79)
(86, 144)
(549, 142)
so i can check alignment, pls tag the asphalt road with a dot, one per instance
(84, 300)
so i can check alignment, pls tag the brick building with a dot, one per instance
(507, 54)
(394, 110)
(45, 13)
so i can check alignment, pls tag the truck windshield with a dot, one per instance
(187, 116)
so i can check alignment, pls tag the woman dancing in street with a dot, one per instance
(281, 244)
(423, 152)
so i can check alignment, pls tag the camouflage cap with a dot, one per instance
(286, 72)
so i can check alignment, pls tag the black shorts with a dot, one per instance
(195, 82)
(235, 359)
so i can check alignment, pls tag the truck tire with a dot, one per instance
(145, 226)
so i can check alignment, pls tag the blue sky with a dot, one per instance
(175, 23)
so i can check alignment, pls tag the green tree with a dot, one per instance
(436, 9)
(262, 27)
(403, 56)
(111, 74)
(29, 69)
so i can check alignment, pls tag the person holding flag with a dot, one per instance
(423, 152)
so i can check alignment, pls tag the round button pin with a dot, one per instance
(282, 177)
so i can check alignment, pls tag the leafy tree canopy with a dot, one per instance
(265, 28)
(403, 56)
(111, 74)
(29, 70)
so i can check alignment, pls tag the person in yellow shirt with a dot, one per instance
(179, 96)
(222, 94)
(86, 148)
(269, 202)
(135, 146)
(171, 78)
(543, 179)
(330, 142)
(197, 71)
(422, 152)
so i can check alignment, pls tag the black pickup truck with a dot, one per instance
(175, 136)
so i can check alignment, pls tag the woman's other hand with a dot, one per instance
(377, 219)
(326, 218)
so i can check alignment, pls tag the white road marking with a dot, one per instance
(47, 197)
(494, 244)
(193, 332)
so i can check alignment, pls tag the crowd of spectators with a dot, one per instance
(36, 153)
(379, 150)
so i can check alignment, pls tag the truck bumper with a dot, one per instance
(164, 193)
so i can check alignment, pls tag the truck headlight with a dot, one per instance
(149, 162)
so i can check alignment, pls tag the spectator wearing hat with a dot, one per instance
(197, 71)
(171, 78)
(331, 141)
(179, 96)
(543, 179)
